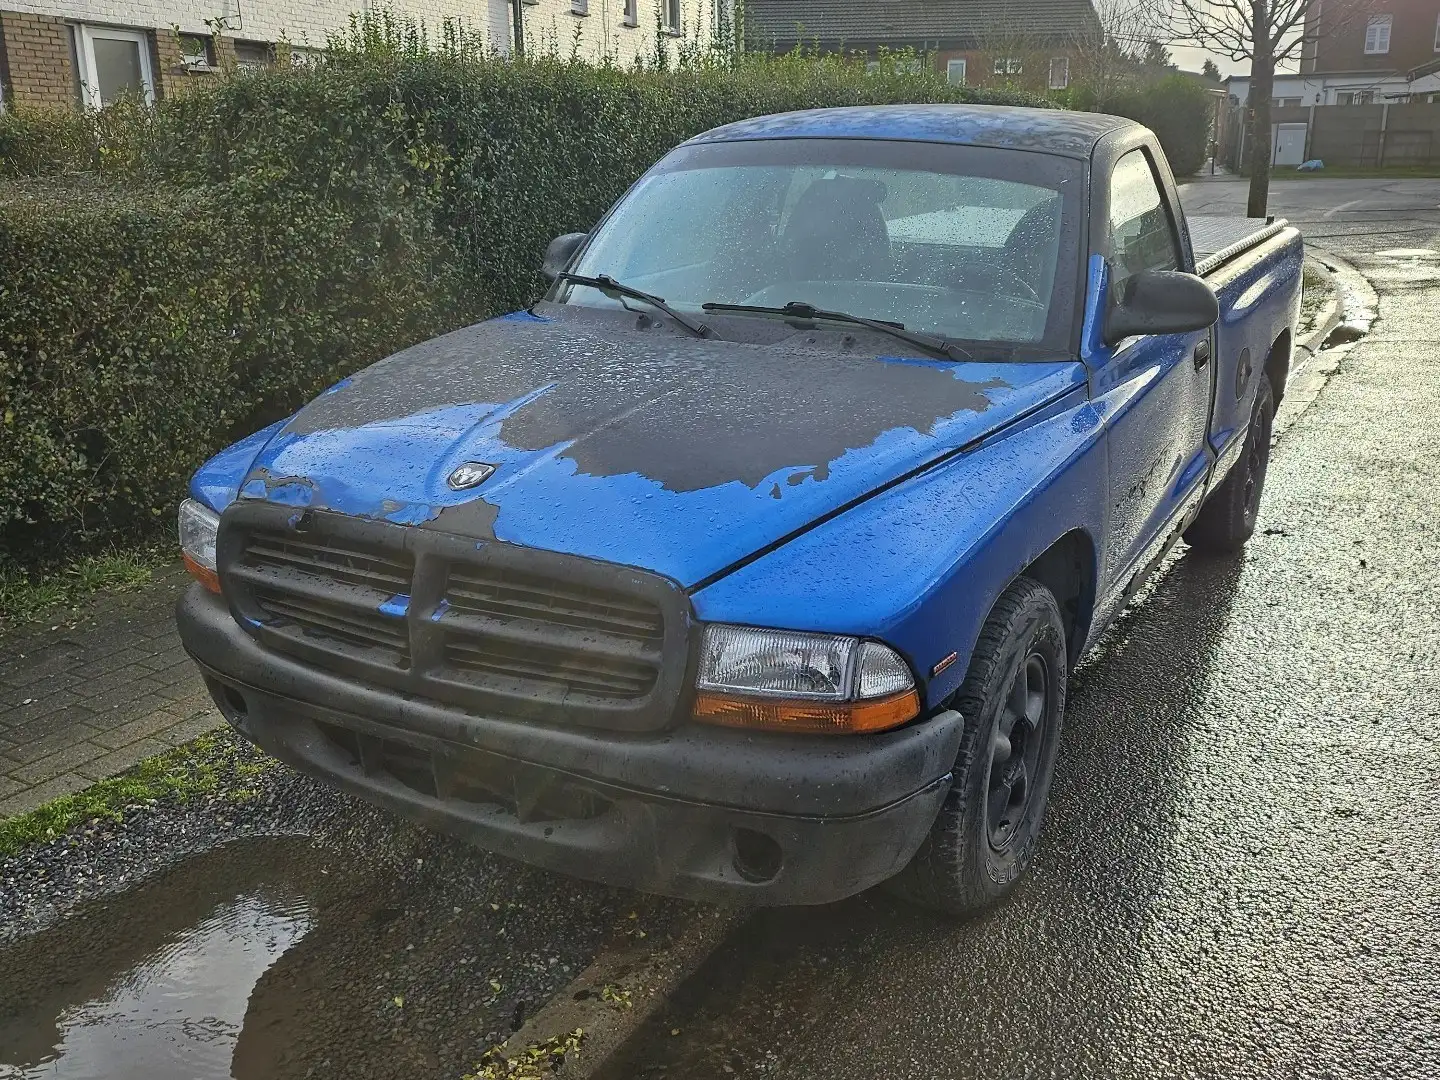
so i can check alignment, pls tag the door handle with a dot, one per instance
(1202, 355)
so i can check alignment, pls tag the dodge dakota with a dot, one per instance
(752, 561)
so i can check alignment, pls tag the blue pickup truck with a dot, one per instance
(752, 562)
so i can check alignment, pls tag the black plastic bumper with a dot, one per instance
(697, 812)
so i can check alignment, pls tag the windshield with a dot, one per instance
(972, 243)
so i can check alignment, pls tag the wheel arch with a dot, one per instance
(1277, 364)
(1068, 569)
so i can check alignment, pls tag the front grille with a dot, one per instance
(562, 639)
(498, 630)
(329, 594)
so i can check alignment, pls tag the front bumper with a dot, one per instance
(696, 812)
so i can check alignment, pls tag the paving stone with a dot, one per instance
(117, 761)
(139, 728)
(32, 797)
(65, 760)
(193, 728)
(30, 750)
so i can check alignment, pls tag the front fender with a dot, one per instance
(216, 483)
(920, 565)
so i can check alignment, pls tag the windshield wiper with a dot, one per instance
(797, 309)
(617, 289)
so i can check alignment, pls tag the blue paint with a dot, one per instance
(1093, 350)
(216, 482)
(395, 470)
(439, 612)
(397, 607)
(523, 316)
(341, 385)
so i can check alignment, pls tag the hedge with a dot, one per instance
(194, 271)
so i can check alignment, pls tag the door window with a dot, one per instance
(1141, 237)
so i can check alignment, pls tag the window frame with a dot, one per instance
(950, 67)
(1008, 65)
(1176, 247)
(674, 17)
(1375, 24)
(1064, 81)
(86, 33)
(630, 14)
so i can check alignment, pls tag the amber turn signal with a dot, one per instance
(202, 574)
(808, 717)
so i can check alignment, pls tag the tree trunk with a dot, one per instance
(1262, 88)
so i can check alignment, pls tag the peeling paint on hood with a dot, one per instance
(645, 448)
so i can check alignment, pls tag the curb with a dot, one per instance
(574, 1036)
(1344, 320)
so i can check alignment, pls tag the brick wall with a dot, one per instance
(169, 60)
(37, 58)
(1341, 47)
(1035, 66)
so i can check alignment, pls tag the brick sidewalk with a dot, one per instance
(80, 703)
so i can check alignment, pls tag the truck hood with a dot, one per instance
(672, 454)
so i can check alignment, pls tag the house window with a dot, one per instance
(1008, 65)
(197, 53)
(632, 13)
(1354, 97)
(672, 16)
(955, 72)
(579, 7)
(1059, 72)
(113, 64)
(1377, 35)
(1284, 102)
(251, 55)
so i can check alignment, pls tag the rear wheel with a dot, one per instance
(1013, 699)
(1227, 520)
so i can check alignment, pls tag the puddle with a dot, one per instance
(273, 959)
(158, 984)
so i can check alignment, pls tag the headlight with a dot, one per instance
(198, 526)
(794, 681)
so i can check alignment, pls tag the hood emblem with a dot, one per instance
(471, 474)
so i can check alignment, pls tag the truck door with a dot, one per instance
(1157, 388)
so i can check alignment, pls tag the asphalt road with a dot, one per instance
(1240, 876)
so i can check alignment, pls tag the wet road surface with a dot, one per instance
(1240, 875)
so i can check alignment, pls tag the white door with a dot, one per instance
(1289, 144)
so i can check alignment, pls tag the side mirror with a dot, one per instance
(558, 255)
(1160, 302)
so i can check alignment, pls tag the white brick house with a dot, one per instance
(86, 52)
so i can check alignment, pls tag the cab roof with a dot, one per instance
(1049, 131)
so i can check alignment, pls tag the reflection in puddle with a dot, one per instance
(156, 983)
(176, 1013)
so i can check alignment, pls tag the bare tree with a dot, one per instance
(1107, 57)
(1266, 33)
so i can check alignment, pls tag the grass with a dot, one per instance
(28, 596)
(198, 768)
(1413, 172)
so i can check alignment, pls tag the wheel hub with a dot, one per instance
(1015, 751)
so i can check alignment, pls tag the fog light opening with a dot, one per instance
(757, 857)
(234, 705)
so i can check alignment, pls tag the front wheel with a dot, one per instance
(1013, 700)
(1227, 520)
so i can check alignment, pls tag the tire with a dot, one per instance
(983, 839)
(1227, 520)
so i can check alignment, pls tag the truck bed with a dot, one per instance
(1218, 239)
